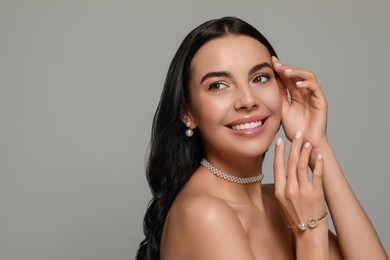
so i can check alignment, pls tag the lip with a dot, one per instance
(247, 119)
(249, 132)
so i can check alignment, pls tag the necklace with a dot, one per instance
(241, 180)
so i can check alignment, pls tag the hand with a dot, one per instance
(307, 108)
(299, 198)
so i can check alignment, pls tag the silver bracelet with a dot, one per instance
(312, 222)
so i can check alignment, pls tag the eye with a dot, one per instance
(261, 78)
(217, 86)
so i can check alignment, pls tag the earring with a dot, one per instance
(189, 131)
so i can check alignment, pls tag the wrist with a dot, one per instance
(308, 228)
(313, 245)
(321, 231)
(314, 240)
(320, 143)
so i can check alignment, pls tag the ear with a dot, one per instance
(189, 120)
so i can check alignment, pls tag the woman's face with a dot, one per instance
(235, 98)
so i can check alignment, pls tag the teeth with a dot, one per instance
(247, 126)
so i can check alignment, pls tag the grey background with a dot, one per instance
(79, 83)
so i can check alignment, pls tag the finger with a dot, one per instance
(298, 77)
(303, 164)
(293, 158)
(295, 73)
(279, 169)
(311, 85)
(278, 66)
(280, 69)
(318, 172)
(276, 61)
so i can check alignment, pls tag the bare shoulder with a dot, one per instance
(203, 227)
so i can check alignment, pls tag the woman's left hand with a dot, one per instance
(301, 200)
(307, 108)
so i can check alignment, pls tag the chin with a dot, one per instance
(246, 150)
(251, 153)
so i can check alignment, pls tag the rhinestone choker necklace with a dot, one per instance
(228, 177)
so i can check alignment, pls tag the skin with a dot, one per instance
(357, 238)
(212, 218)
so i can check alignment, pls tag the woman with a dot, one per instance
(224, 99)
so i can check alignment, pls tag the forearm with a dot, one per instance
(356, 235)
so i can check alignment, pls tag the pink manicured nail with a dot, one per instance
(288, 70)
(276, 60)
(319, 156)
(299, 83)
(279, 141)
(298, 135)
(307, 145)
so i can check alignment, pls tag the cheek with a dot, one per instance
(274, 100)
(210, 111)
(278, 103)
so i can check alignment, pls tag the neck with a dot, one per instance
(237, 166)
(244, 168)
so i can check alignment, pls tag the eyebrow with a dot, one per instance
(259, 67)
(229, 75)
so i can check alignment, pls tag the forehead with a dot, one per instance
(229, 53)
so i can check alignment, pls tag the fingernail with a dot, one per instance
(278, 64)
(279, 141)
(288, 70)
(307, 145)
(319, 156)
(299, 83)
(298, 135)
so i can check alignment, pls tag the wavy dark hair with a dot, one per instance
(174, 157)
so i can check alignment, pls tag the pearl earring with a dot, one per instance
(189, 131)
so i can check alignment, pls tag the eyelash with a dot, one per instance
(216, 85)
(255, 80)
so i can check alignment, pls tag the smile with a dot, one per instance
(247, 126)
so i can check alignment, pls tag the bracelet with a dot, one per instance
(312, 222)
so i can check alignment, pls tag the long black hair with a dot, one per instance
(174, 157)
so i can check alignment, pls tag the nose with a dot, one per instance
(245, 99)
